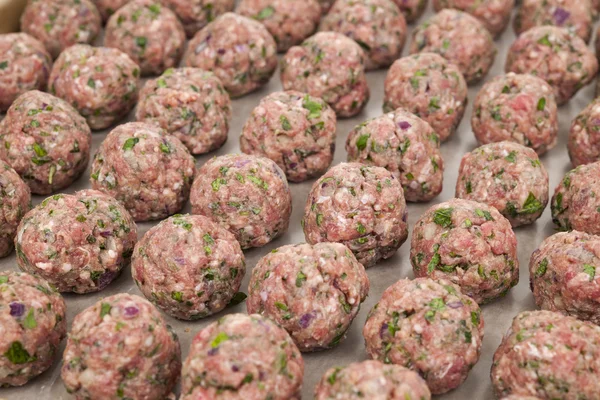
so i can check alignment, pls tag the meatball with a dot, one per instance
(461, 39)
(377, 26)
(428, 326)
(555, 55)
(24, 65)
(313, 292)
(190, 104)
(290, 22)
(100, 82)
(584, 136)
(46, 141)
(108, 7)
(412, 9)
(249, 355)
(431, 88)
(548, 355)
(191, 278)
(196, 14)
(121, 345)
(32, 317)
(15, 201)
(295, 130)
(406, 146)
(146, 170)
(468, 243)
(360, 206)
(59, 24)
(575, 204)
(493, 14)
(331, 66)
(372, 380)
(518, 108)
(507, 176)
(240, 51)
(247, 195)
(150, 34)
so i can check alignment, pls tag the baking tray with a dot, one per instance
(497, 315)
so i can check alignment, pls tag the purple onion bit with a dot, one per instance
(17, 309)
(105, 279)
(305, 320)
(131, 311)
(235, 368)
(213, 351)
(404, 125)
(383, 330)
(455, 304)
(560, 16)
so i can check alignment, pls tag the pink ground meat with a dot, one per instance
(196, 14)
(584, 136)
(493, 14)
(15, 201)
(108, 7)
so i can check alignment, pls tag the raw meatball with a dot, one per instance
(15, 201)
(575, 15)
(377, 26)
(100, 82)
(428, 326)
(32, 317)
(121, 347)
(24, 65)
(248, 355)
(406, 146)
(313, 292)
(79, 243)
(412, 9)
(575, 204)
(461, 39)
(247, 195)
(359, 206)
(507, 176)
(196, 14)
(518, 108)
(548, 355)
(59, 24)
(295, 130)
(150, 34)
(146, 170)
(290, 22)
(240, 51)
(431, 88)
(584, 136)
(108, 7)
(46, 141)
(188, 266)
(190, 104)
(493, 14)
(331, 66)
(558, 57)
(468, 243)
(371, 380)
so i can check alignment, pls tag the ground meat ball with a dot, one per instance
(15, 201)
(359, 206)
(150, 34)
(553, 54)
(575, 204)
(331, 66)
(377, 26)
(146, 170)
(313, 292)
(518, 108)
(196, 14)
(248, 355)
(189, 266)
(493, 14)
(121, 347)
(548, 355)
(469, 243)
(406, 146)
(584, 136)
(79, 243)
(46, 141)
(428, 326)
(507, 176)
(371, 380)
(247, 195)
(108, 7)
(100, 82)
(431, 88)
(24, 65)
(240, 51)
(459, 38)
(290, 22)
(32, 317)
(576, 16)
(189, 103)
(295, 130)
(59, 24)
(412, 9)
